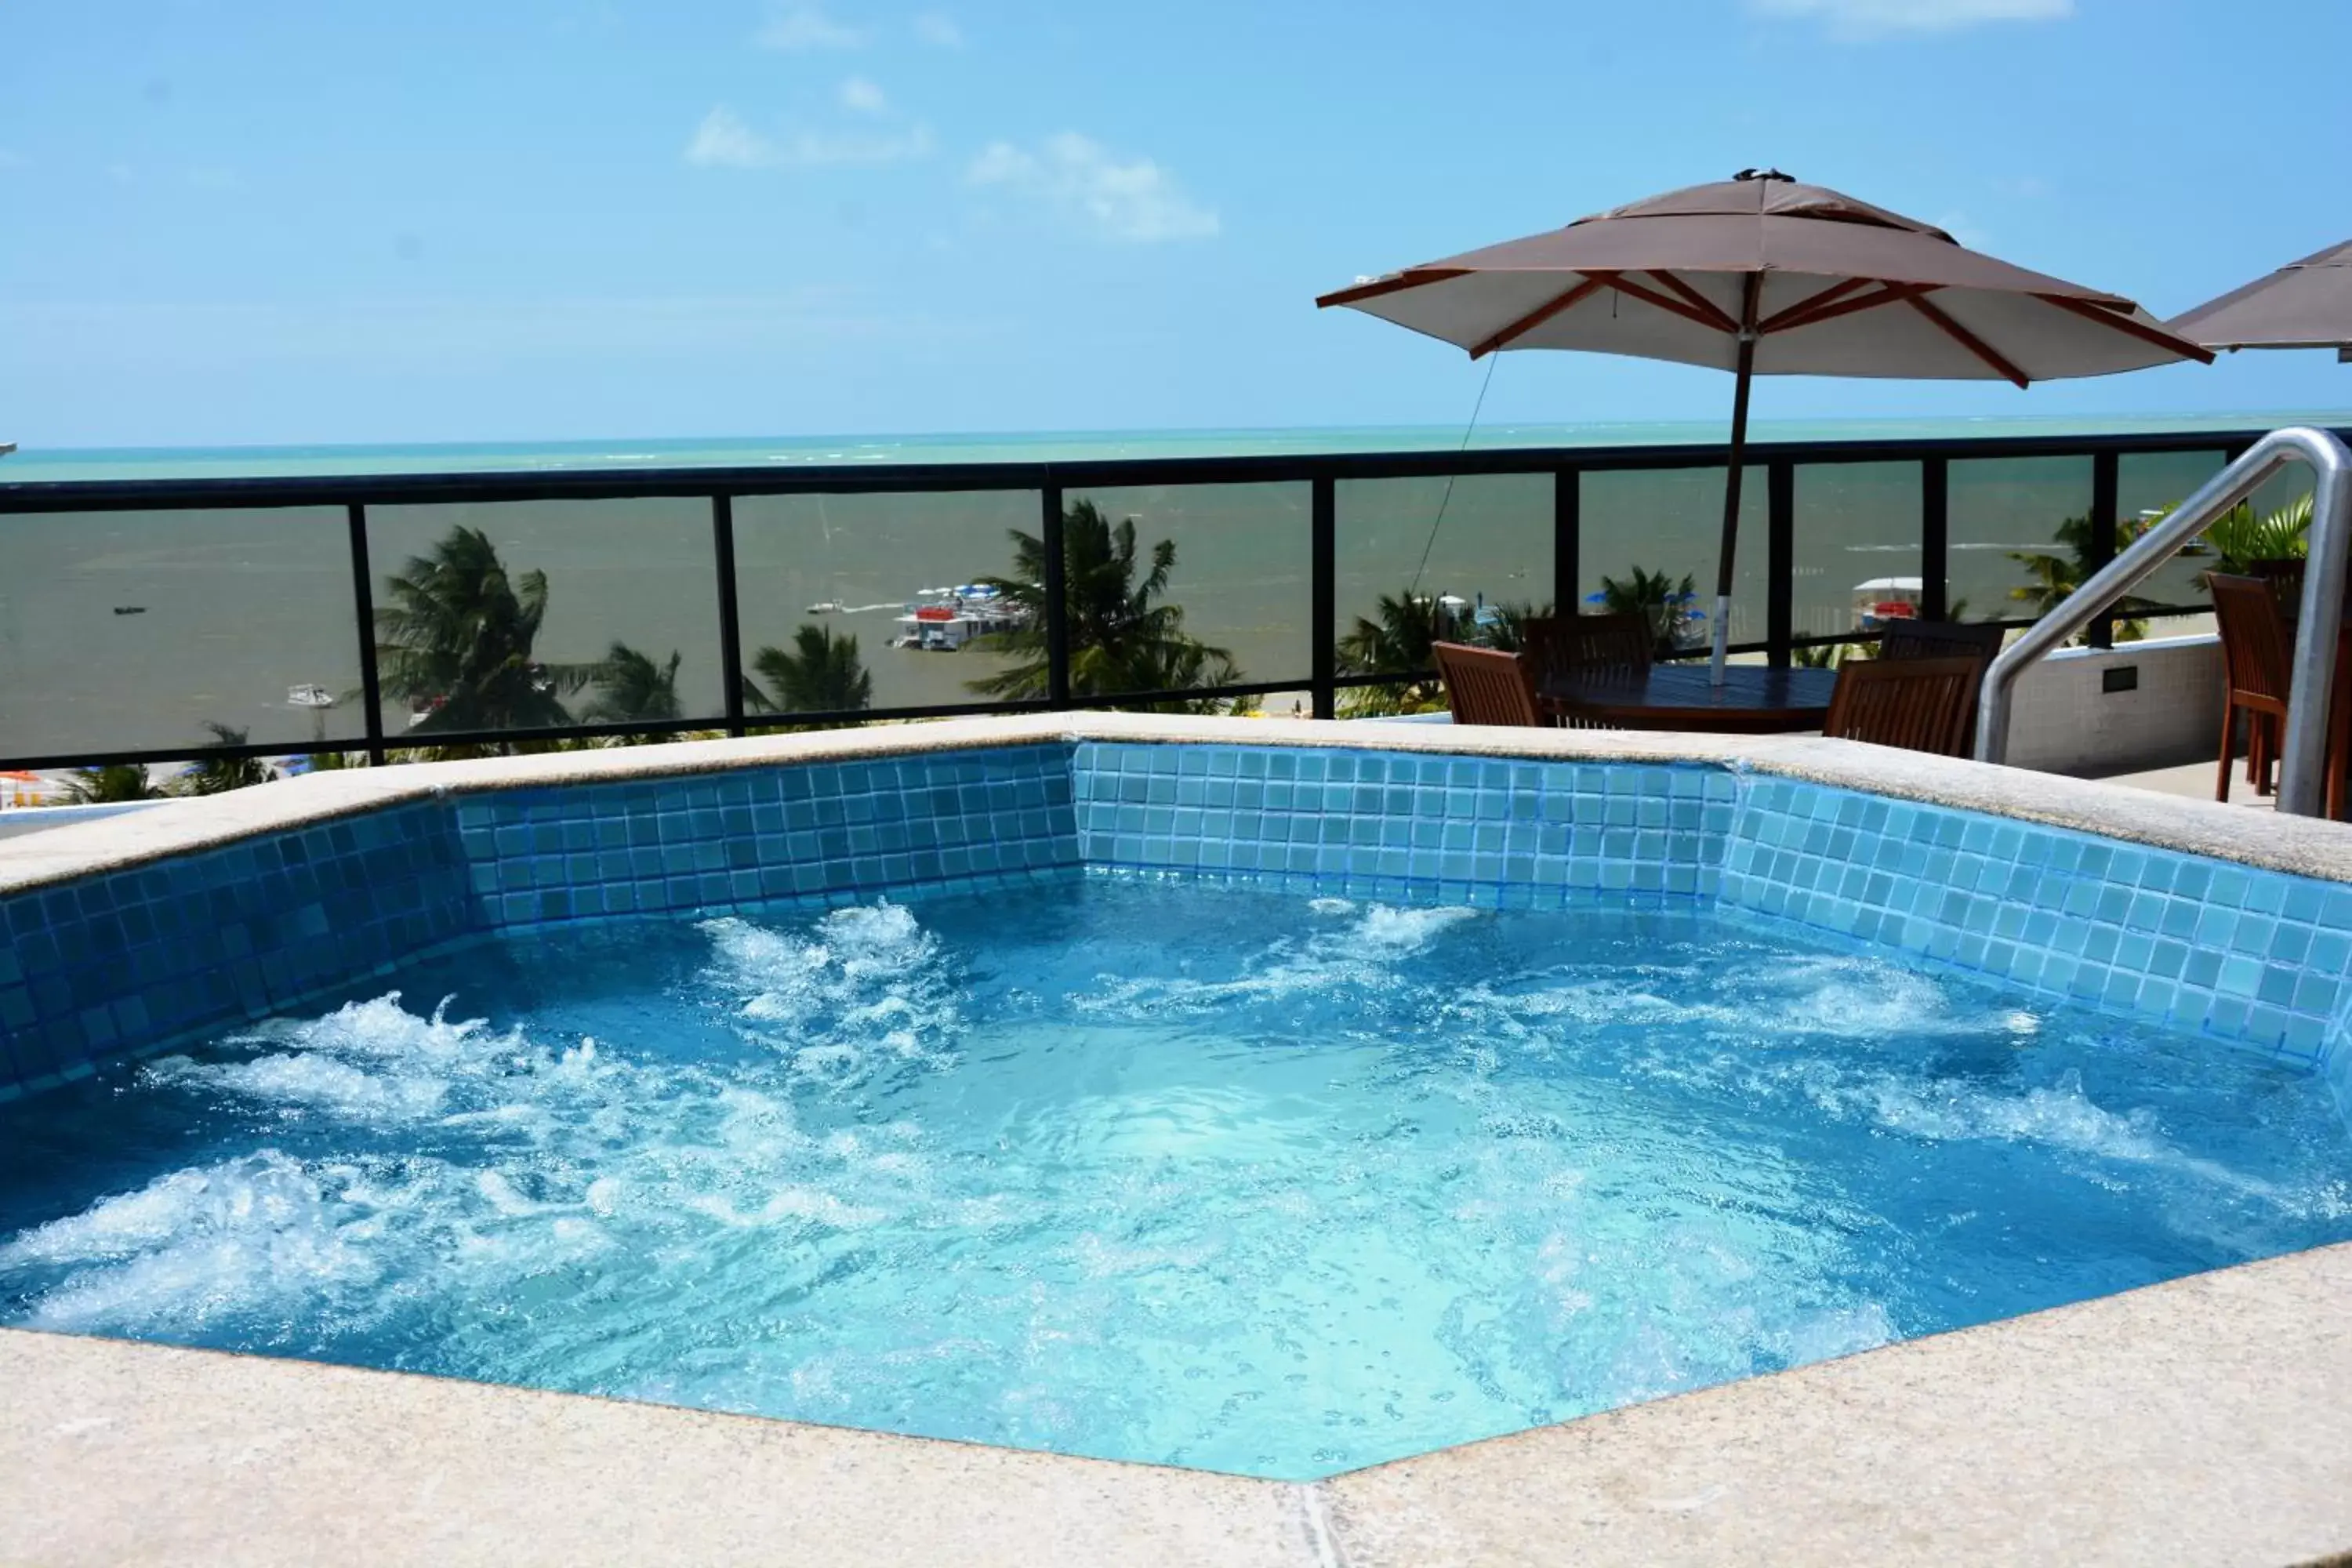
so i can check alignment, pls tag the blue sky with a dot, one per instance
(282, 222)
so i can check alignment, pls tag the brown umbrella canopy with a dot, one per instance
(1843, 289)
(2305, 305)
(1763, 276)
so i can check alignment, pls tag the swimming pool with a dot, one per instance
(1271, 1110)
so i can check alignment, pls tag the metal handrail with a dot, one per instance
(2300, 789)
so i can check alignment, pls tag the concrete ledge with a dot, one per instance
(113, 1453)
(2203, 1421)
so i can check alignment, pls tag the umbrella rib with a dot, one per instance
(1778, 319)
(1714, 313)
(2126, 324)
(1888, 294)
(1667, 302)
(1542, 313)
(1410, 278)
(1967, 339)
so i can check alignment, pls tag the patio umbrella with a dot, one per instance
(2307, 304)
(1762, 276)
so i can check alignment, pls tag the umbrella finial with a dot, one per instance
(1764, 175)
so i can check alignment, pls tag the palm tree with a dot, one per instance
(1667, 604)
(821, 674)
(218, 775)
(1124, 635)
(111, 783)
(2240, 538)
(455, 641)
(2052, 576)
(631, 689)
(1396, 640)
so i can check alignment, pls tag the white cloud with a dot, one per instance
(939, 29)
(807, 27)
(723, 141)
(861, 96)
(1866, 19)
(1126, 200)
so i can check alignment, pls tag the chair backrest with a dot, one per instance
(1601, 644)
(1545, 645)
(1941, 639)
(2256, 653)
(2285, 580)
(1917, 704)
(1487, 687)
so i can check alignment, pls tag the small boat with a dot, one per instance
(943, 619)
(129, 609)
(308, 694)
(826, 608)
(1885, 599)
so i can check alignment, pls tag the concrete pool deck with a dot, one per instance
(2204, 1420)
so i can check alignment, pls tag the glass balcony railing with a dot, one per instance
(412, 614)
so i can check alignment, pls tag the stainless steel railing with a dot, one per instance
(2300, 788)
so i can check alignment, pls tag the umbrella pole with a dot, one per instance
(1725, 557)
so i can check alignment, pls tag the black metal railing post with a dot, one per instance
(2104, 470)
(1567, 538)
(731, 626)
(1781, 560)
(1058, 606)
(1935, 538)
(1323, 593)
(363, 608)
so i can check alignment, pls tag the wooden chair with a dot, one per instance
(2285, 580)
(2257, 664)
(1917, 704)
(1599, 644)
(1486, 687)
(1941, 639)
(1545, 645)
(1979, 640)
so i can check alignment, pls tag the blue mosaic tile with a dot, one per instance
(137, 958)
(2207, 947)
(1346, 821)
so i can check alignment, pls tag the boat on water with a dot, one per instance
(827, 607)
(308, 694)
(942, 620)
(129, 609)
(1883, 599)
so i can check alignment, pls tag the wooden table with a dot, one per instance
(1754, 700)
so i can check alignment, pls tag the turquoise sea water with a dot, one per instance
(1154, 1172)
(622, 454)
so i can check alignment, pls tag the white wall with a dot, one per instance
(2063, 722)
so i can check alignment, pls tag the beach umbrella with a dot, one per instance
(2305, 304)
(1762, 276)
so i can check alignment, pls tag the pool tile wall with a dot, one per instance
(1482, 830)
(136, 958)
(2252, 956)
(817, 831)
(132, 959)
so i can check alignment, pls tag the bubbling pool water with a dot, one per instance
(1158, 1172)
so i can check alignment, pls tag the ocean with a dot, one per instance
(127, 630)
